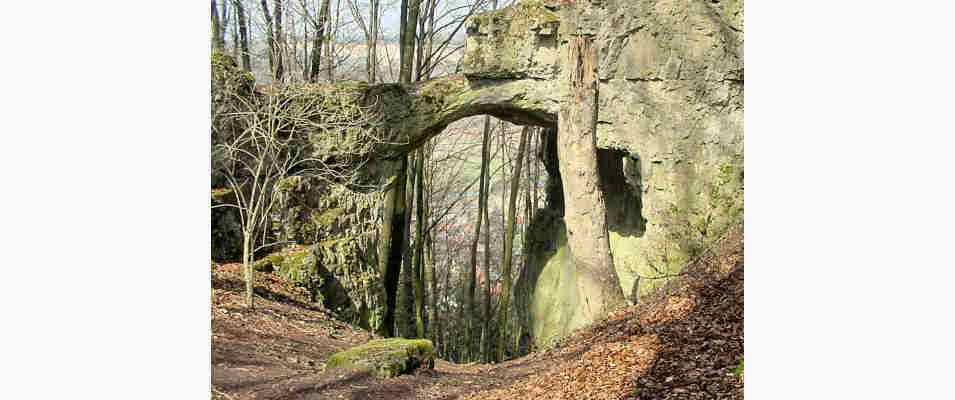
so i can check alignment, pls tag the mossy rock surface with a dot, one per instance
(386, 358)
(226, 227)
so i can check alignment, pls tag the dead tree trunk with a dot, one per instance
(585, 211)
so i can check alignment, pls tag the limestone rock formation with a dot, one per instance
(669, 133)
(669, 130)
(226, 227)
(339, 228)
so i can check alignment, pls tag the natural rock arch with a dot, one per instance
(670, 124)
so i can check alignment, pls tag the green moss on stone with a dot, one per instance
(509, 36)
(298, 266)
(386, 357)
(227, 74)
(295, 264)
(329, 216)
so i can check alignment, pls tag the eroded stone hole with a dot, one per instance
(621, 182)
(622, 185)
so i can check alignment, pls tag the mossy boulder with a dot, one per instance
(386, 358)
(301, 266)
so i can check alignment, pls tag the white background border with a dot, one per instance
(105, 219)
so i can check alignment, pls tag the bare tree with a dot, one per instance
(269, 35)
(391, 241)
(374, 25)
(486, 315)
(406, 300)
(419, 295)
(279, 38)
(471, 281)
(266, 146)
(243, 34)
(319, 24)
(330, 45)
(235, 35)
(217, 42)
(509, 244)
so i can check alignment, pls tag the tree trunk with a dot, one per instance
(419, 296)
(422, 42)
(472, 274)
(390, 243)
(305, 54)
(409, 24)
(269, 36)
(431, 296)
(243, 34)
(585, 212)
(485, 340)
(487, 269)
(330, 43)
(279, 39)
(406, 301)
(372, 60)
(319, 40)
(430, 41)
(247, 268)
(235, 36)
(530, 190)
(430, 278)
(509, 244)
(224, 18)
(394, 214)
(217, 42)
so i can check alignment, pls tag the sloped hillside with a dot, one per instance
(255, 352)
(279, 351)
(684, 342)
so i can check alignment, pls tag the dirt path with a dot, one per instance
(279, 350)
(681, 343)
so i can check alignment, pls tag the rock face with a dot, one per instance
(669, 132)
(338, 226)
(226, 227)
(325, 233)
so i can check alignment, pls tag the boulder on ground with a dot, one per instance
(386, 358)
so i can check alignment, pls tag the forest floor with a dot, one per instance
(683, 342)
